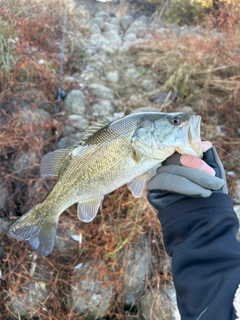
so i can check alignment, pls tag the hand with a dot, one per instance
(193, 162)
(174, 182)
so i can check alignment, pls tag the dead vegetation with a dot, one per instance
(204, 70)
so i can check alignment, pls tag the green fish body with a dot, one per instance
(110, 155)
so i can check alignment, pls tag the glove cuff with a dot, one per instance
(188, 207)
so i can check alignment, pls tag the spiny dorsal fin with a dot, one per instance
(52, 162)
(93, 128)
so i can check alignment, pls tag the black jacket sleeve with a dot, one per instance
(200, 236)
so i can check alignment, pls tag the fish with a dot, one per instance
(110, 155)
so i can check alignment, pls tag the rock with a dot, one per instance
(4, 225)
(102, 15)
(98, 40)
(88, 75)
(172, 97)
(125, 47)
(132, 73)
(149, 85)
(186, 109)
(113, 37)
(27, 297)
(137, 264)
(33, 99)
(198, 30)
(95, 29)
(115, 22)
(148, 36)
(3, 197)
(77, 122)
(143, 19)
(97, 65)
(90, 293)
(125, 22)
(130, 37)
(68, 130)
(103, 108)
(135, 98)
(69, 141)
(37, 192)
(159, 305)
(163, 31)
(106, 26)
(138, 28)
(185, 31)
(75, 102)
(100, 91)
(145, 109)
(66, 239)
(112, 76)
(25, 163)
(35, 117)
(110, 50)
(98, 22)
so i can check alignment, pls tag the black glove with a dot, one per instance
(174, 182)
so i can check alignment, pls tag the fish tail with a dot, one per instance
(38, 230)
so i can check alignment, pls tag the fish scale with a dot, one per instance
(110, 155)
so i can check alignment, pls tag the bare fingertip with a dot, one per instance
(207, 169)
(206, 145)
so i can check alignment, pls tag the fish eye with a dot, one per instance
(176, 121)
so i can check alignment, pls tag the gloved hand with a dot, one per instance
(174, 182)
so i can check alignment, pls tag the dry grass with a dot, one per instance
(205, 71)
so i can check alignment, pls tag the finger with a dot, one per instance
(195, 176)
(196, 163)
(206, 145)
(177, 184)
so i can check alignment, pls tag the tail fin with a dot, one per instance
(38, 230)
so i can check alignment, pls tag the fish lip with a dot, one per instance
(194, 135)
(194, 147)
(197, 148)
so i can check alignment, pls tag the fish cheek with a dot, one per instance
(142, 143)
(171, 136)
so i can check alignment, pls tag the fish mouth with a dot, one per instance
(196, 148)
(194, 136)
(193, 147)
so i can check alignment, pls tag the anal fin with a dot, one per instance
(87, 210)
(137, 185)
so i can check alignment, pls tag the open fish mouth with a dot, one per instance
(197, 148)
(194, 136)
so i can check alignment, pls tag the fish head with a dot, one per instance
(159, 135)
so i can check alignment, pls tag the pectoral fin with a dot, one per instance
(52, 161)
(87, 210)
(137, 185)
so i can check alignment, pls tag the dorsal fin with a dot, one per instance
(93, 128)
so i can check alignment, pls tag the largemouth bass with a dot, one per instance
(110, 155)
